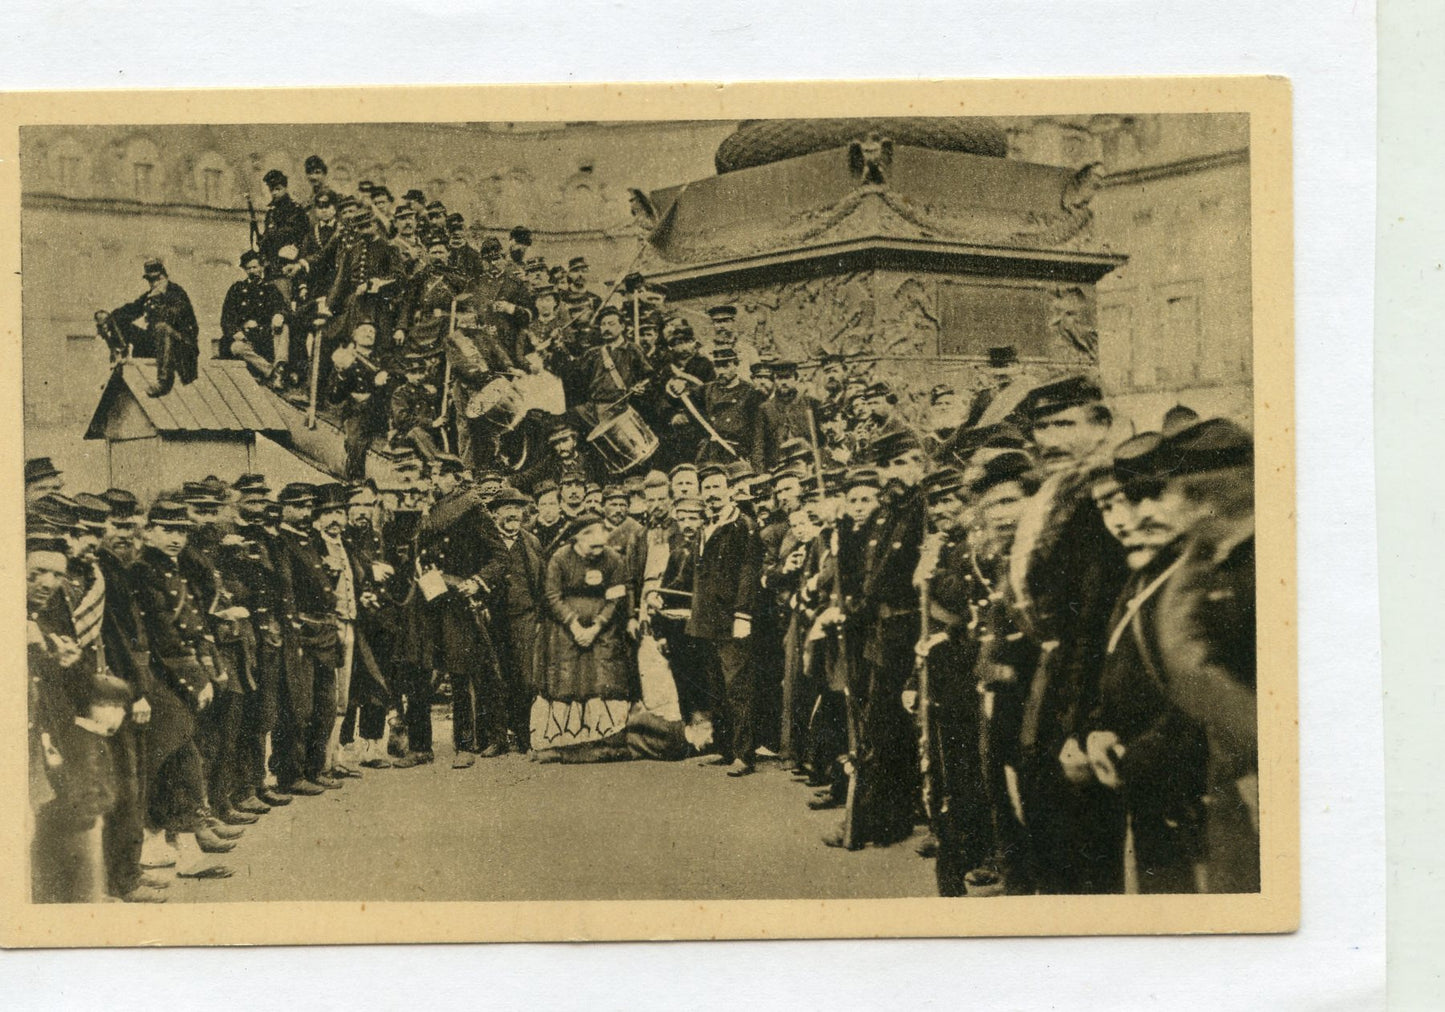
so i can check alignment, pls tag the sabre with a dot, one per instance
(642, 248)
(315, 375)
(706, 425)
(447, 376)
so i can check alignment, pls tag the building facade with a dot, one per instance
(1173, 323)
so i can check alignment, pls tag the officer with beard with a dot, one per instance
(887, 607)
(787, 414)
(127, 654)
(516, 617)
(313, 650)
(1065, 574)
(162, 324)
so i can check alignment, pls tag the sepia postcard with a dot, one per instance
(668, 511)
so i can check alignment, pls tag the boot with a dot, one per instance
(191, 863)
(155, 852)
(208, 841)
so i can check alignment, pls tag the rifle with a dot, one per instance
(255, 228)
(925, 717)
(853, 761)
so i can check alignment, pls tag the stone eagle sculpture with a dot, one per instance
(869, 158)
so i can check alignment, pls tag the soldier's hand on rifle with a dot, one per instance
(140, 711)
(742, 627)
(1104, 750)
(398, 336)
(381, 377)
(504, 307)
(637, 387)
(203, 699)
(438, 421)
(910, 700)
(1075, 763)
(924, 647)
(632, 628)
(67, 651)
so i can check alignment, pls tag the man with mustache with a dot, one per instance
(1065, 574)
(726, 584)
(313, 649)
(173, 609)
(1141, 744)
(517, 613)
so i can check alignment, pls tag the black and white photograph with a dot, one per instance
(694, 510)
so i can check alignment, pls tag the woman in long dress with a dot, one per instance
(584, 692)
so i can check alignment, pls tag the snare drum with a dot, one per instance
(624, 440)
(499, 403)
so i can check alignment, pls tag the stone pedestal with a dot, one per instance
(913, 259)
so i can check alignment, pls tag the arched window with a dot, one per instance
(69, 165)
(341, 178)
(143, 170)
(214, 181)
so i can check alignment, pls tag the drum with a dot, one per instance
(624, 440)
(499, 403)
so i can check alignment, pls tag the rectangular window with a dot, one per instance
(212, 182)
(1180, 355)
(144, 174)
(974, 317)
(69, 170)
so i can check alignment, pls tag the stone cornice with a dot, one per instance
(1183, 167)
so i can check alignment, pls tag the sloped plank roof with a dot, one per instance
(225, 397)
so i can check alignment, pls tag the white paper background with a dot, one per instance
(1326, 47)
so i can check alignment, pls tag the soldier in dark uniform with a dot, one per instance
(424, 312)
(887, 607)
(724, 323)
(503, 306)
(358, 387)
(162, 324)
(320, 247)
(74, 709)
(127, 655)
(731, 404)
(415, 406)
(961, 641)
(787, 414)
(680, 371)
(462, 257)
(286, 222)
(312, 650)
(726, 585)
(577, 300)
(613, 370)
(1141, 743)
(1065, 575)
(316, 176)
(368, 273)
(516, 617)
(252, 307)
(458, 544)
(173, 609)
(412, 663)
(253, 572)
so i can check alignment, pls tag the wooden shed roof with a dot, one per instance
(225, 398)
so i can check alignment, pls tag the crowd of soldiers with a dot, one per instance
(1022, 629)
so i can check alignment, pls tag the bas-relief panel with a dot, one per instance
(890, 321)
